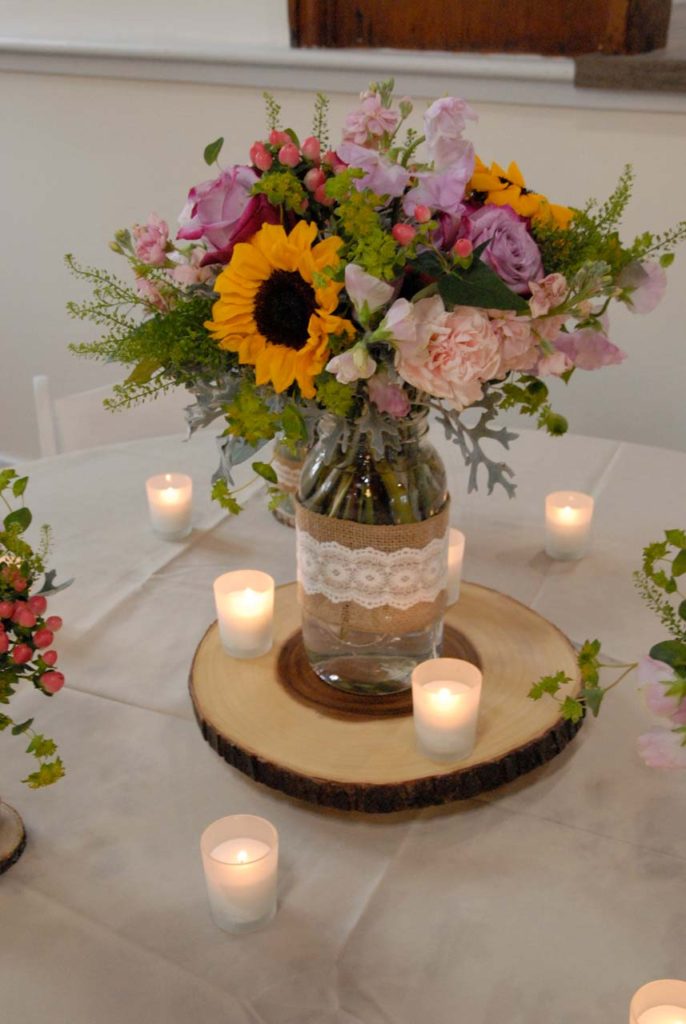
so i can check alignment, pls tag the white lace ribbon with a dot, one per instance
(369, 577)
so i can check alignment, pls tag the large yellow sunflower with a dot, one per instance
(273, 309)
(508, 188)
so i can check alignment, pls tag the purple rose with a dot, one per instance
(224, 213)
(511, 252)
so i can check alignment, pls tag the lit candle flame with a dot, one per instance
(567, 514)
(242, 857)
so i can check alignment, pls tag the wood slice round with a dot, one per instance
(12, 837)
(287, 737)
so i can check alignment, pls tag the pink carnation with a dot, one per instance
(151, 240)
(518, 344)
(453, 355)
(444, 123)
(366, 125)
(662, 748)
(546, 294)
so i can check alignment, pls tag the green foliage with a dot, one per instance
(664, 562)
(225, 498)
(294, 428)
(249, 416)
(212, 151)
(320, 121)
(529, 396)
(266, 471)
(479, 286)
(573, 709)
(48, 773)
(336, 398)
(282, 188)
(273, 112)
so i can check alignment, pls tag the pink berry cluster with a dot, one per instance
(280, 150)
(26, 636)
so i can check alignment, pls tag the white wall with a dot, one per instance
(84, 156)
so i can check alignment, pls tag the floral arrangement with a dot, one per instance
(26, 634)
(661, 673)
(391, 271)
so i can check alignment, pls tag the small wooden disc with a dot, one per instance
(293, 671)
(12, 837)
(278, 735)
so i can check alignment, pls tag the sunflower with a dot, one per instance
(508, 188)
(276, 308)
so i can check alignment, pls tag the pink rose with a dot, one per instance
(662, 748)
(546, 294)
(151, 241)
(388, 396)
(445, 191)
(458, 354)
(656, 677)
(589, 350)
(366, 125)
(381, 176)
(224, 213)
(444, 122)
(511, 251)
(647, 282)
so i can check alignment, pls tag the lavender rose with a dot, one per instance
(511, 252)
(224, 213)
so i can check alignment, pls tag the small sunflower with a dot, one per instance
(275, 310)
(508, 188)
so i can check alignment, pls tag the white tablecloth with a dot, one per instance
(548, 901)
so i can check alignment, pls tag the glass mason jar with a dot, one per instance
(372, 520)
(287, 465)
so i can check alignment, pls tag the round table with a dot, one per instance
(549, 900)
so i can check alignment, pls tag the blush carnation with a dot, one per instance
(150, 240)
(518, 343)
(547, 293)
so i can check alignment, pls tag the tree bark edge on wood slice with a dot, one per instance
(12, 837)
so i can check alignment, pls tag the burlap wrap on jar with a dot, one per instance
(376, 579)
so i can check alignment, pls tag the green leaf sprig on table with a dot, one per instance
(664, 562)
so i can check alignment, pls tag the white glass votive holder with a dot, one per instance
(456, 542)
(446, 693)
(240, 856)
(170, 504)
(659, 1002)
(568, 516)
(245, 612)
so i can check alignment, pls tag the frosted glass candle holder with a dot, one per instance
(446, 693)
(245, 612)
(170, 504)
(659, 1002)
(240, 856)
(456, 543)
(568, 516)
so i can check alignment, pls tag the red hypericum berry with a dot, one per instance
(21, 653)
(289, 155)
(333, 160)
(4, 643)
(53, 622)
(403, 233)
(6, 609)
(422, 213)
(314, 178)
(52, 681)
(23, 616)
(278, 138)
(37, 604)
(19, 583)
(321, 196)
(260, 156)
(43, 637)
(311, 149)
(49, 657)
(463, 248)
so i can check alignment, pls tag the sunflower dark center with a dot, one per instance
(283, 306)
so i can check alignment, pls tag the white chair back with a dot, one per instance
(80, 420)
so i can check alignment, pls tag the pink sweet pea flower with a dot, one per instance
(444, 123)
(365, 291)
(656, 677)
(353, 364)
(224, 213)
(553, 364)
(366, 125)
(648, 281)
(443, 191)
(589, 350)
(381, 176)
(388, 396)
(662, 748)
(151, 240)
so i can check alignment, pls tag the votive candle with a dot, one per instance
(245, 612)
(240, 856)
(568, 516)
(456, 542)
(659, 1002)
(170, 504)
(446, 693)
